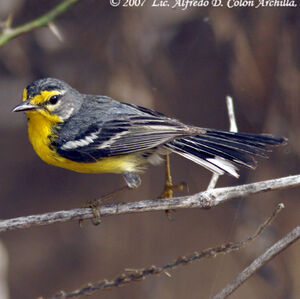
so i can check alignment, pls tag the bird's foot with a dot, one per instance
(169, 189)
(95, 204)
(168, 192)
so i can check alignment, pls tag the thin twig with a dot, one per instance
(232, 128)
(273, 251)
(203, 200)
(213, 181)
(231, 115)
(56, 32)
(140, 274)
(9, 33)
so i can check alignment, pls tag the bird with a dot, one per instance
(97, 134)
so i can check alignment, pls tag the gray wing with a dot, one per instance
(125, 134)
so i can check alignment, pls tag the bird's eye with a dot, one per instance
(53, 100)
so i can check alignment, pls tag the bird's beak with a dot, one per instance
(24, 106)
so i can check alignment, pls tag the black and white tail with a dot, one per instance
(221, 152)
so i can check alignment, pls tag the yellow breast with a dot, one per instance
(40, 128)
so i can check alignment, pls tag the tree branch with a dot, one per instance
(203, 200)
(273, 251)
(9, 33)
(140, 274)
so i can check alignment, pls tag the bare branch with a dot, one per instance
(9, 33)
(273, 251)
(213, 181)
(232, 120)
(202, 200)
(56, 32)
(140, 274)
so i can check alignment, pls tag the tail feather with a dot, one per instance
(257, 139)
(204, 159)
(221, 151)
(216, 150)
(243, 146)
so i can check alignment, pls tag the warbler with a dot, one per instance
(96, 134)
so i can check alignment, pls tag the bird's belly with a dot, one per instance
(42, 146)
(39, 130)
(116, 164)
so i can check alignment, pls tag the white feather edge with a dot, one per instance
(81, 142)
(216, 165)
(225, 165)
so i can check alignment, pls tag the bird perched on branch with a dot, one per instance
(96, 134)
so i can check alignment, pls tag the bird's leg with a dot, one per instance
(132, 181)
(169, 187)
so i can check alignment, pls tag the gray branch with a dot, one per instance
(273, 251)
(203, 200)
(131, 275)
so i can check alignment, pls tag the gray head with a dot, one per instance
(50, 97)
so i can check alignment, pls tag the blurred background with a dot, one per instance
(182, 63)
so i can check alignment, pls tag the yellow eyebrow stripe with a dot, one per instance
(44, 96)
(24, 97)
